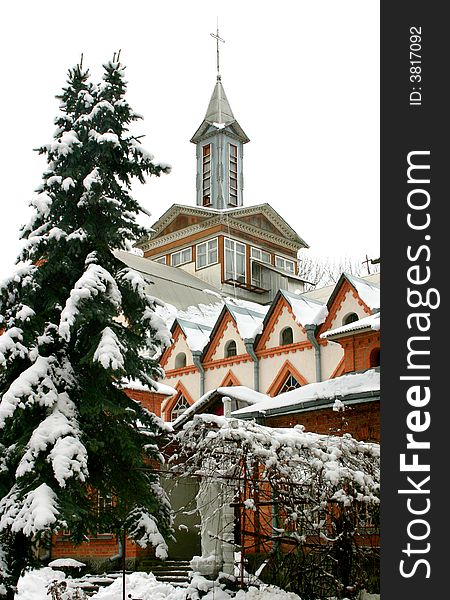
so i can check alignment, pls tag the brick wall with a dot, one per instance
(358, 349)
(362, 421)
(98, 548)
(150, 400)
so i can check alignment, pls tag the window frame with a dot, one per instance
(233, 174)
(227, 346)
(160, 260)
(185, 262)
(282, 332)
(225, 240)
(290, 387)
(206, 243)
(259, 261)
(180, 398)
(206, 161)
(285, 260)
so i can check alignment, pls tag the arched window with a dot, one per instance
(180, 406)
(286, 336)
(289, 384)
(230, 349)
(180, 360)
(374, 358)
(350, 318)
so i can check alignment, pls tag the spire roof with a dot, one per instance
(219, 115)
(219, 109)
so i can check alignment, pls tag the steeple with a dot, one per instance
(219, 141)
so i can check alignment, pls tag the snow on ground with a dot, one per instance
(33, 586)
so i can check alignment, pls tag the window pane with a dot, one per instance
(240, 267)
(229, 264)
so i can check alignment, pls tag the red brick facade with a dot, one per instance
(362, 421)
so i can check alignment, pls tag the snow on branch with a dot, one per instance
(94, 281)
(33, 513)
(32, 386)
(143, 529)
(109, 351)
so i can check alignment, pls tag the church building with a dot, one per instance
(244, 329)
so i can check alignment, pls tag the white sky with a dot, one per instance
(302, 79)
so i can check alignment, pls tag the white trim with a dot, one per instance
(185, 262)
(225, 256)
(290, 260)
(197, 268)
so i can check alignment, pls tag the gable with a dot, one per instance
(261, 222)
(181, 221)
(285, 318)
(179, 344)
(279, 317)
(345, 301)
(224, 331)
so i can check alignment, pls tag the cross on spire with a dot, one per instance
(218, 39)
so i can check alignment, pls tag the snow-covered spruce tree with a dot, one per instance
(75, 324)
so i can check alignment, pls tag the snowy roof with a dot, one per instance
(323, 293)
(306, 310)
(248, 317)
(170, 284)
(219, 115)
(197, 334)
(352, 384)
(239, 393)
(160, 388)
(368, 292)
(371, 322)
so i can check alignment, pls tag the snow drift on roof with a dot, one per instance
(353, 383)
(372, 321)
(238, 392)
(306, 310)
(248, 316)
(368, 292)
(160, 388)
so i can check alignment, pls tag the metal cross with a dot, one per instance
(367, 262)
(218, 39)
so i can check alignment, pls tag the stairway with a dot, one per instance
(175, 572)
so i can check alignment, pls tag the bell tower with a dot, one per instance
(219, 150)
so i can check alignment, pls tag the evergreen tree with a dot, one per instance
(76, 322)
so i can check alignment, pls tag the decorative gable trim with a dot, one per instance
(168, 351)
(271, 321)
(338, 298)
(167, 406)
(339, 370)
(230, 379)
(217, 334)
(287, 238)
(287, 369)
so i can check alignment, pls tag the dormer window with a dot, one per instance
(286, 336)
(206, 174)
(230, 349)
(180, 360)
(350, 318)
(233, 175)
